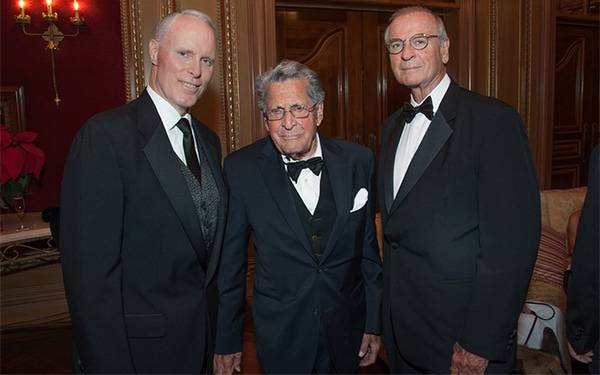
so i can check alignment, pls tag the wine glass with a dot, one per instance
(19, 207)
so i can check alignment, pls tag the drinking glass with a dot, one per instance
(19, 207)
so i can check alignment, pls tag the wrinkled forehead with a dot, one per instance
(407, 25)
(289, 91)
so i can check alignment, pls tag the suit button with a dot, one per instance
(395, 245)
(316, 312)
(315, 237)
(319, 270)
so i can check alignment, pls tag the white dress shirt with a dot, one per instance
(308, 185)
(413, 133)
(169, 117)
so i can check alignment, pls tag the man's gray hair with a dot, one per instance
(441, 29)
(285, 70)
(164, 24)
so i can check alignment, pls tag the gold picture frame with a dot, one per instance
(12, 107)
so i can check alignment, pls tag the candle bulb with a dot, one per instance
(49, 3)
(22, 6)
(76, 6)
(22, 18)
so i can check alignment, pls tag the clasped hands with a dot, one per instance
(226, 364)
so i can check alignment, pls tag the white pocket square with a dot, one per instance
(360, 199)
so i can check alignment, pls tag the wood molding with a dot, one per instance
(540, 86)
(133, 48)
(381, 5)
(263, 44)
(132, 38)
(230, 81)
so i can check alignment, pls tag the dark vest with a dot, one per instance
(318, 226)
(206, 198)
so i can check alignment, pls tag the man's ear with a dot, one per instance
(445, 51)
(153, 49)
(319, 113)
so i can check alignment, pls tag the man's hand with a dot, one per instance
(368, 349)
(226, 364)
(583, 358)
(464, 362)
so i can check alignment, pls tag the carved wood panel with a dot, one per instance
(576, 111)
(345, 47)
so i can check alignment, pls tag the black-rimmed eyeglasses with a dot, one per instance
(417, 41)
(297, 110)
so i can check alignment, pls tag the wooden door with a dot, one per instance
(576, 111)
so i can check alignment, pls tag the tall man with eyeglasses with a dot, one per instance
(307, 202)
(460, 213)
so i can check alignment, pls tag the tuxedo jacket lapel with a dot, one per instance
(340, 178)
(389, 159)
(277, 181)
(164, 162)
(438, 133)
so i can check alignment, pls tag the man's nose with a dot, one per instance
(288, 121)
(195, 68)
(408, 52)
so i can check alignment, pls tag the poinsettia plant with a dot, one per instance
(21, 160)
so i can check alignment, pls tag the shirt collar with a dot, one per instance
(168, 114)
(437, 94)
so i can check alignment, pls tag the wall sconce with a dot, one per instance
(52, 35)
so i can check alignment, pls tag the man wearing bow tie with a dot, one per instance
(307, 201)
(460, 213)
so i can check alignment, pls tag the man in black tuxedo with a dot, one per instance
(142, 217)
(460, 213)
(317, 277)
(582, 294)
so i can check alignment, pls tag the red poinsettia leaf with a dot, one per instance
(25, 137)
(4, 136)
(13, 160)
(32, 149)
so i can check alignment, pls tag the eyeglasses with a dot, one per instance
(297, 110)
(417, 41)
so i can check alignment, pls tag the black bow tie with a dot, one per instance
(409, 112)
(315, 164)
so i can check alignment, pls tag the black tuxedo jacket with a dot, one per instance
(582, 296)
(461, 235)
(295, 296)
(139, 298)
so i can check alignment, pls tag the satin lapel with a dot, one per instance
(438, 133)
(340, 178)
(277, 181)
(215, 167)
(164, 162)
(390, 156)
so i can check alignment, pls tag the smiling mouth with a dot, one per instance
(190, 86)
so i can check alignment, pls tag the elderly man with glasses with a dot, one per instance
(307, 201)
(460, 213)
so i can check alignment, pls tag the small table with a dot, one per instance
(18, 249)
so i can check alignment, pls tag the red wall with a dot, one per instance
(89, 72)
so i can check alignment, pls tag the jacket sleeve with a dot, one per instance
(509, 231)
(582, 294)
(91, 228)
(371, 262)
(232, 271)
